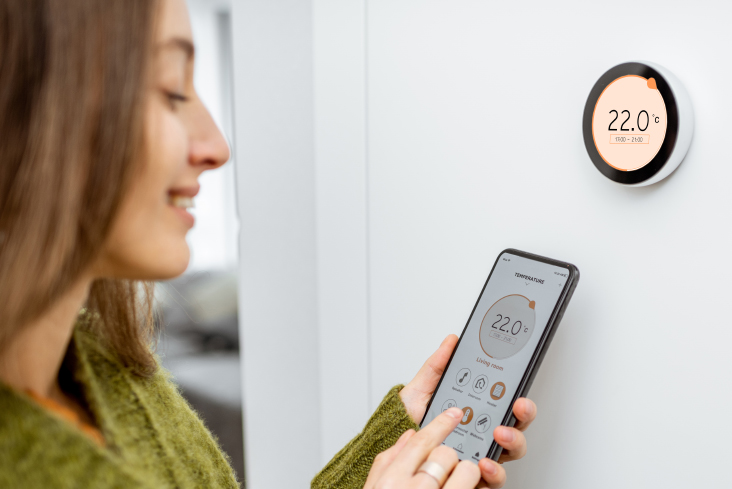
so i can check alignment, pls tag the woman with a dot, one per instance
(103, 139)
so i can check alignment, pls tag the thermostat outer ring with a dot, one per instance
(679, 129)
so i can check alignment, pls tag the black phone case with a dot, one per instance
(495, 450)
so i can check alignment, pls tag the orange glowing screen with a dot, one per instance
(629, 122)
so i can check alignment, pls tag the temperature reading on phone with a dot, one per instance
(507, 326)
(514, 329)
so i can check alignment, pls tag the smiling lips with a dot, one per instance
(181, 201)
(182, 198)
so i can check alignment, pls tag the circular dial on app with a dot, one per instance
(507, 326)
(629, 122)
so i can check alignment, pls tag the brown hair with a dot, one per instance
(73, 78)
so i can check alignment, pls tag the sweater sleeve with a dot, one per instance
(350, 467)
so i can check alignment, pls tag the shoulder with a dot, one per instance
(148, 418)
(152, 433)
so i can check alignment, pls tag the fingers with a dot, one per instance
(466, 474)
(383, 460)
(445, 457)
(420, 445)
(391, 453)
(512, 441)
(525, 411)
(494, 476)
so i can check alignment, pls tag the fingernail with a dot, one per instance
(530, 408)
(489, 467)
(455, 413)
(506, 434)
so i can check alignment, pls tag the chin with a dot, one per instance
(170, 272)
(155, 258)
(164, 267)
(169, 268)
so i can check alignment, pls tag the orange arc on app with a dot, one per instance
(532, 305)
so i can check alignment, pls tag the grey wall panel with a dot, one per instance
(273, 94)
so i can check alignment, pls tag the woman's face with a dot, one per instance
(147, 240)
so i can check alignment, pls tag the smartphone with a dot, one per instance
(501, 348)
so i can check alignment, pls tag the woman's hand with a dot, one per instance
(420, 461)
(417, 393)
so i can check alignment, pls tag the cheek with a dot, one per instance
(148, 239)
(167, 144)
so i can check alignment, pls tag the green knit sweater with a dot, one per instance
(154, 439)
(350, 467)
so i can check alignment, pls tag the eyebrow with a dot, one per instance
(180, 43)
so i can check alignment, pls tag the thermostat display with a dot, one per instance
(638, 123)
(629, 123)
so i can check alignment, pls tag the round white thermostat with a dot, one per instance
(638, 123)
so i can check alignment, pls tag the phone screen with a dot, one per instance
(496, 348)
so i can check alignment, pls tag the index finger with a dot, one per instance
(428, 438)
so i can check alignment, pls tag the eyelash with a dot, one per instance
(174, 98)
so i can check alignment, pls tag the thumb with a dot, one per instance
(416, 394)
(429, 375)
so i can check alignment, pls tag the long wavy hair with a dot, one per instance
(73, 84)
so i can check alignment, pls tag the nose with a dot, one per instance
(208, 148)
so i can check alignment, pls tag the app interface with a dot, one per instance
(495, 350)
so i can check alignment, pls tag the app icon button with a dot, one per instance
(448, 404)
(480, 384)
(482, 423)
(463, 377)
(498, 390)
(467, 415)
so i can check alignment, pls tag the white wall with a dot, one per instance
(471, 117)
(475, 145)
